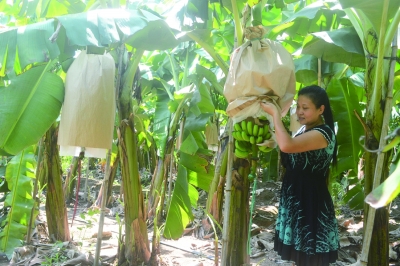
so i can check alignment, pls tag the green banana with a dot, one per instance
(237, 135)
(237, 127)
(241, 145)
(267, 136)
(266, 129)
(241, 154)
(255, 130)
(243, 125)
(261, 131)
(259, 139)
(250, 128)
(252, 140)
(245, 136)
(265, 149)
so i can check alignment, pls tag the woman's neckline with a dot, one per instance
(305, 127)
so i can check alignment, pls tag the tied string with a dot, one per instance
(371, 56)
(254, 33)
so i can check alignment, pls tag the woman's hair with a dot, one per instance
(319, 97)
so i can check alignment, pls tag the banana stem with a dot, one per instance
(238, 26)
(35, 190)
(228, 187)
(102, 210)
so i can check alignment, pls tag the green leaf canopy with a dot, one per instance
(102, 27)
(373, 9)
(339, 46)
(28, 107)
(22, 46)
(26, 45)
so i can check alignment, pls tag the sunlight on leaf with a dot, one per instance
(385, 192)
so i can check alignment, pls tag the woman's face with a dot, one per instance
(307, 113)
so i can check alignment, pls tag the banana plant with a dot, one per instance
(194, 161)
(375, 23)
(172, 118)
(56, 211)
(19, 202)
(365, 19)
(66, 39)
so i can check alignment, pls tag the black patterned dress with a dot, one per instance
(306, 227)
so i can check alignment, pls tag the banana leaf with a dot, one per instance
(189, 145)
(193, 171)
(102, 27)
(28, 107)
(344, 101)
(42, 8)
(339, 46)
(19, 175)
(22, 46)
(390, 188)
(355, 197)
(180, 212)
(211, 77)
(51, 9)
(313, 18)
(307, 69)
(372, 10)
(162, 118)
(385, 192)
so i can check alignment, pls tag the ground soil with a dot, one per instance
(197, 246)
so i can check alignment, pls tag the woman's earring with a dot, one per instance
(323, 118)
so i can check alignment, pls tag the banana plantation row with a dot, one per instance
(171, 61)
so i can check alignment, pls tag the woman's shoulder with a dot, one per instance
(326, 131)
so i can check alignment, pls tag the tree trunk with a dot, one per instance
(113, 173)
(136, 249)
(56, 212)
(239, 215)
(374, 120)
(155, 188)
(215, 200)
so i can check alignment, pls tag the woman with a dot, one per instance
(306, 227)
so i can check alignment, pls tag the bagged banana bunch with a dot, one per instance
(87, 116)
(260, 70)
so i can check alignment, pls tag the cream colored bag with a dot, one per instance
(259, 68)
(88, 112)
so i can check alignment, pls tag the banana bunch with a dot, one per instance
(247, 134)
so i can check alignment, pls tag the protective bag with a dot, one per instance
(88, 112)
(261, 69)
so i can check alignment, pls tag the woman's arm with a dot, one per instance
(311, 140)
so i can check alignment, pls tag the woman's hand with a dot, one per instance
(270, 108)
